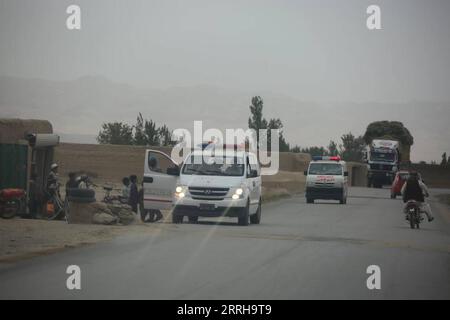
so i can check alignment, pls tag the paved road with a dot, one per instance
(299, 251)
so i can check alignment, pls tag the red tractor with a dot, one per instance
(12, 201)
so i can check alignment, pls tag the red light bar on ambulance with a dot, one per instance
(326, 158)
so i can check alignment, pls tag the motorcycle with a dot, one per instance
(11, 202)
(413, 214)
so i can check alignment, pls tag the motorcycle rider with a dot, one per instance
(415, 189)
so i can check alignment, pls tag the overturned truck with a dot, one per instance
(26, 153)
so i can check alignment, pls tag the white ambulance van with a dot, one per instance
(326, 179)
(205, 185)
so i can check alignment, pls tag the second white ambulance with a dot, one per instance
(327, 179)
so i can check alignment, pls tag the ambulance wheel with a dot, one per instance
(243, 219)
(256, 218)
(177, 219)
(193, 219)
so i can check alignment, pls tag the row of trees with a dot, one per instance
(350, 149)
(445, 161)
(144, 132)
(257, 122)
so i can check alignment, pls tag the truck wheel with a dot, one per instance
(309, 200)
(256, 218)
(244, 217)
(343, 199)
(177, 219)
(193, 219)
(10, 210)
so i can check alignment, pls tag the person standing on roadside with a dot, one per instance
(125, 196)
(147, 215)
(72, 183)
(33, 196)
(134, 194)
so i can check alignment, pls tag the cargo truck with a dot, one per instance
(383, 158)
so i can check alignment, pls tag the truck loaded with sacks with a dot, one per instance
(387, 151)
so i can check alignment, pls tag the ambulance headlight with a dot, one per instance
(237, 193)
(180, 191)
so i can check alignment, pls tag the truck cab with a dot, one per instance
(326, 179)
(209, 183)
(383, 158)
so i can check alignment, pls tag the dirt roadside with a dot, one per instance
(441, 202)
(24, 238)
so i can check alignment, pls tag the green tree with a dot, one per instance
(256, 120)
(115, 133)
(165, 136)
(151, 133)
(276, 124)
(296, 149)
(444, 159)
(352, 147)
(315, 151)
(333, 148)
(139, 134)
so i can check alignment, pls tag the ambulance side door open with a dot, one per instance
(161, 175)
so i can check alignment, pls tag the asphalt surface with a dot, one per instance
(299, 251)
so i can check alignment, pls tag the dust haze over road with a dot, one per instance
(84, 104)
(300, 250)
(308, 60)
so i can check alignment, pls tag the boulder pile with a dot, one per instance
(100, 213)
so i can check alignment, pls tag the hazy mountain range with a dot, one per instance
(77, 109)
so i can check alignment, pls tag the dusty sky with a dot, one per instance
(316, 50)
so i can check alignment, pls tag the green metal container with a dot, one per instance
(13, 166)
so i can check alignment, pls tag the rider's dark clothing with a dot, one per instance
(134, 197)
(413, 191)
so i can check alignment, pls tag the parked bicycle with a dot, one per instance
(111, 199)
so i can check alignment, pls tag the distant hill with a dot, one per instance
(77, 109)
